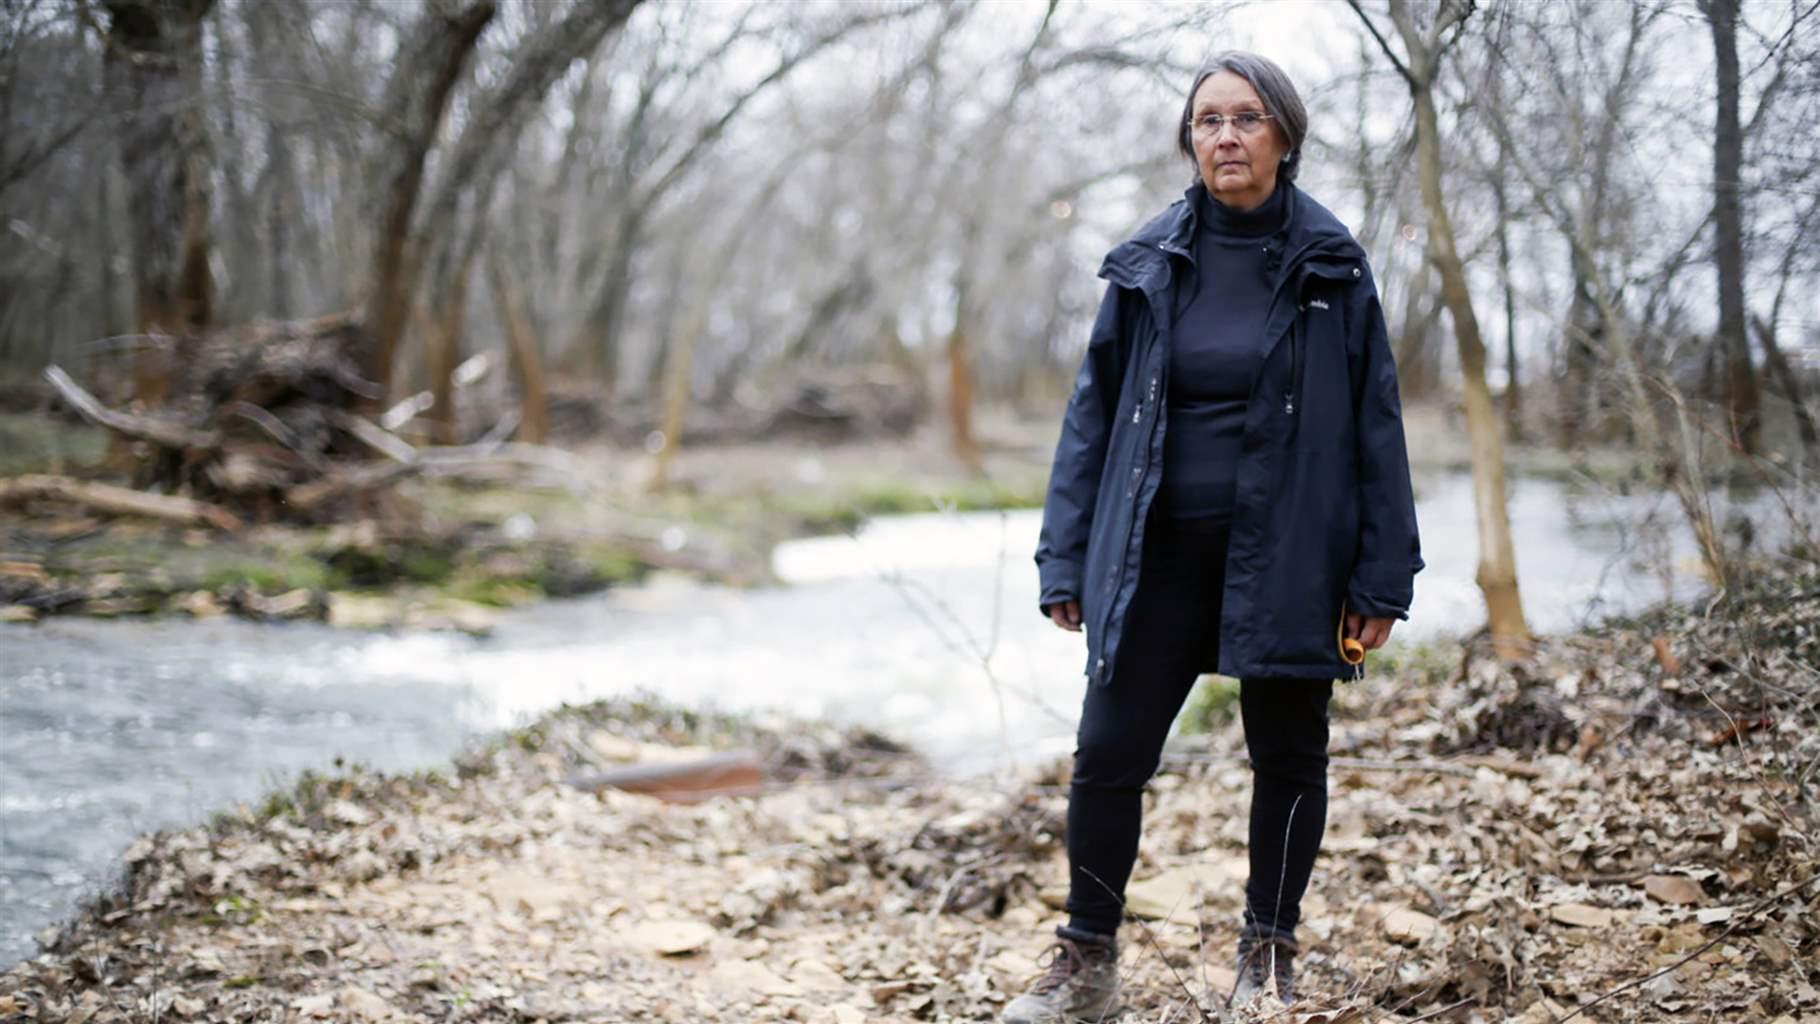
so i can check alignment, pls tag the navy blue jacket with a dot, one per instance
(1325, 518)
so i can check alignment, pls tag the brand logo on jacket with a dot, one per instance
(1315, 304)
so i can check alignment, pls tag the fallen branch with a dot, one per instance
(735, 773)
(306, 498)
(118, 500)
(376, 437)
(276, 430)
(145, 428)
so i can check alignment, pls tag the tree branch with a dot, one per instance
(1383, 44)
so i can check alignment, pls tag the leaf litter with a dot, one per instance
(1621, 828)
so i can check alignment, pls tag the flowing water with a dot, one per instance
(922, 626)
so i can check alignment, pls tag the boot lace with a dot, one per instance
(1269, 959)
(1066, 959)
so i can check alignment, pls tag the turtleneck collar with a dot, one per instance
(1266, 219)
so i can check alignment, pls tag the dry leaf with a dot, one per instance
(1172, 893)
(1409, 927)
(1580, 915)
(1675, 889)
(1775, 950)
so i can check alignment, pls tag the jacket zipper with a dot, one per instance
(1137, 471)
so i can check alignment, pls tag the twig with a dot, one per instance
(276, 430)
(1449, 1008)
(1466, 769)
(1150, 939)
(1752, 911)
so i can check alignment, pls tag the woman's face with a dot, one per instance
(1239, 169)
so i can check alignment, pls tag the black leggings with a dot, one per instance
(1171, 632)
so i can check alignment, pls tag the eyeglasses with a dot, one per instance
(1245, 122)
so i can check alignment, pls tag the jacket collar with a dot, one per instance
(1312, 238)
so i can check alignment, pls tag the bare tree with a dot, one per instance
(1425, 48)
(1728, 229)
(423, 75)
(154, 66)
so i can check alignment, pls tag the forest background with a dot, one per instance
(308, 305)
(1591, 223)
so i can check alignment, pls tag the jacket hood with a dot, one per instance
(1310, 231)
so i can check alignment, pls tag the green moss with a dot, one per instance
(277, 804)
(612, 564)
(38, 443)
(269, 577)
(496, 593)
(1422, 663)
(1212, 704)
(845, 511)
(425, 564)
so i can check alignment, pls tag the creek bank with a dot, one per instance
(447, 552)
(1632, 806)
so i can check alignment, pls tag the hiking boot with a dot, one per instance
(1263, 960)
(1081, 982)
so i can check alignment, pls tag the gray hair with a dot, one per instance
(1281, 102)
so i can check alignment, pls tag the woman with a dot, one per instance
(1230, 493)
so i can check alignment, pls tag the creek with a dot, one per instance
(922, 626)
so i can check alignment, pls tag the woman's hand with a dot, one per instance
(1067, 615)
(1370, 632)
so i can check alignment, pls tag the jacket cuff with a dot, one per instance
(1377, 602)
(1060, 581)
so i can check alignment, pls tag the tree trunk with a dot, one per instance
(154, 66)
(1790, 386)
(423, 75)
(1582, 345)
(449, 306)
(278, 213)
(1513, 385)
(521, 340)
(960, 382)
(1728, 230)
(1418, 370)
(597, 338)
(679, 367)
(1497, 574)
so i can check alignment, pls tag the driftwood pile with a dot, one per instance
(264, 422)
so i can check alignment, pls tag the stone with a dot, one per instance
(363, 1005)
(816, 976)
(732, 977)
(199, 604)
(672, 938)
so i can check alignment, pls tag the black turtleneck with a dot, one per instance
(1217, 349)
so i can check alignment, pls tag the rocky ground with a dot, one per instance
(1621, 828)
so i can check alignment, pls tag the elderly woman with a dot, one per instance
(1230, 494)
